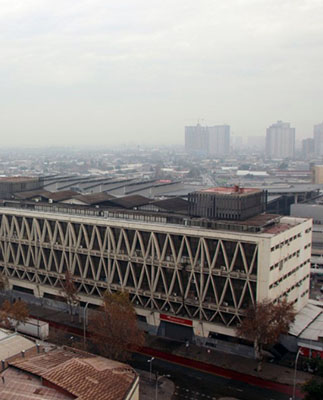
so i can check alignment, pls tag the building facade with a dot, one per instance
(308, 147)
(208, 140)
(227, 203)
(318, 139)
(176, 275)
(318, 174)
(280, 141)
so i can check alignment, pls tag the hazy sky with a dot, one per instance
(137, 71)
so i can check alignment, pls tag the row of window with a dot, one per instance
(307, 245)
(280, 263)
(299, 283)
(285, 242)
(276, 283)
(308, 230)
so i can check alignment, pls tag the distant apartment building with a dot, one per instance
(196, 139)
(318, 139)
(280, 140)
(208, 140)
(308, 147)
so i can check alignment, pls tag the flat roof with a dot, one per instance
(231, 190)
(17, 179)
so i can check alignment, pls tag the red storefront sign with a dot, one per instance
(176, 320)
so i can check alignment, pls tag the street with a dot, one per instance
(193, 384)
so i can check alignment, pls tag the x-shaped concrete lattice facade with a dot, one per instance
(205, 278)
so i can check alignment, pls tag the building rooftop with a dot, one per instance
(94, 198)
(17, 179)
(230, 190)
(13, 343)
(77, 374)
(32, 193)
(62, 195)
(171, 204)
(135, 200)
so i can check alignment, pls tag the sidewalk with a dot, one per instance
(272, 372)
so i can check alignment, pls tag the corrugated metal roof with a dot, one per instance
(32, 193)
(315, 330)
(135, 200)
(304, 318)
(95, 198)
(171, 204)
(62, 195)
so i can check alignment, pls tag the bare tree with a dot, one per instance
(13, 314)
(3, 281)
(264, 322)
(69, 292)
(114, 327)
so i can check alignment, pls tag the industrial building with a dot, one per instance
(186, 276)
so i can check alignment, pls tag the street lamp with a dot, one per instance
(84, 324)
(157, 379)
(295, 371)
(150, 361)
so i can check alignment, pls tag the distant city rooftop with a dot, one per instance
(231, 190)
(17, 179)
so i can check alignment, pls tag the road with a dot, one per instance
(193, 384)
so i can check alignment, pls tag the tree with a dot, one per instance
(313, 390)
(12, 314)
(69, 291)
(114, 327)
(264, 322)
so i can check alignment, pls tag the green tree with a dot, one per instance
(114, 327)
(264, 322)
(313, 390)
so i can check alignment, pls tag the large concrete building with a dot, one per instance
(318, 139)
(280, 140)
(191, 277)
(208, 140)
(227, 203)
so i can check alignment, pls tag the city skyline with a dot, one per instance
(138, 72)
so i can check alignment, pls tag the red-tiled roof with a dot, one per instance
(83, 375)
